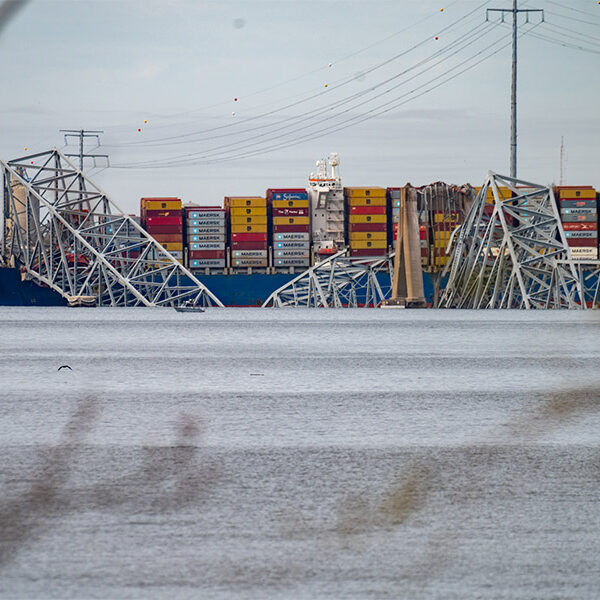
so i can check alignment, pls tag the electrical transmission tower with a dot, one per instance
(82, 134)
(513, 100)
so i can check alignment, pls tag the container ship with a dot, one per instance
(246, 247)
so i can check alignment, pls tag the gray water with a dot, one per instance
(243, 453)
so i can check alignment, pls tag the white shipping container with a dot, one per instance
(588, 253)
(249, 253)
(214, 263)
(195, 246)
(289, 236)
(206, 238)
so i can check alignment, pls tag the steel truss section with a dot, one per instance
(512, 253)
(336, 282)
(64, 232)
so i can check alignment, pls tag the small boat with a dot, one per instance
(189, 306)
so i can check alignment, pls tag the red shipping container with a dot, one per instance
(165, 229)
(368, 210)
(206, 254)
(162, 221)
(369, 252)
(150, 214)
(580, 226)
(171, 238)
(290, 212)
(248, 237)
(367, 227)
(249, 245)
(583, 242)
(289, 228)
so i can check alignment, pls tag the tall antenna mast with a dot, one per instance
(562, 159)
(513, 90)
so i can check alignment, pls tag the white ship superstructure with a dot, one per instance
(326, 196)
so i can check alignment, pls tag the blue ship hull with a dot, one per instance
(232, 290)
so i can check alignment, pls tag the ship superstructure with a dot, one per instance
(326, 196)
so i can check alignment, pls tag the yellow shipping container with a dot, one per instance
(367, 201)
(290, 203)
(237, 202)
(368, 219)
(364, 244)
(162, 205)
(574, 195)
(249, 220)
(290, 220)
(437, 218)
(250, 211)
(364, 192)
(172, 246)
(243, 228)
(368, 235)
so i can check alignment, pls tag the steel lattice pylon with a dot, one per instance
(338, 281)
(512, 253)
(64, 232)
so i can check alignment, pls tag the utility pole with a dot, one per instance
(81, 134)
(513, 90)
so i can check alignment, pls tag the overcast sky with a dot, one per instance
(174, 68)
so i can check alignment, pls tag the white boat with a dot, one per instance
(189, 306)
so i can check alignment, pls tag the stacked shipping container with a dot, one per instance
(367, 220)
(161, 218)
(205, 237)
(579, 214)
(247, 216)
(291, 227)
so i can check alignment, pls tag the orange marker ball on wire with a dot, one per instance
(325, 85)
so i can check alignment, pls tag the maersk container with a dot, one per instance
(204, 263)
(582, 234)
(578, 211)
(299, 244)
(249, 254)
(205, 223)
(291, 254)
(249, 262)
(206, 238)
(292, 235)
(584, 253)
(206, 246)
(291, 262)
(205, 230)
(206, 214)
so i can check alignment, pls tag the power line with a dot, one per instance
(312, 96)
(464, 43)
(275, 135)
(348, 122)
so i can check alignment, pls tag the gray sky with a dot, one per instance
(180, 64)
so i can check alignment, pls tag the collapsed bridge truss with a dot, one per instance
(65, 233)
(338, 281)
(512, 252)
